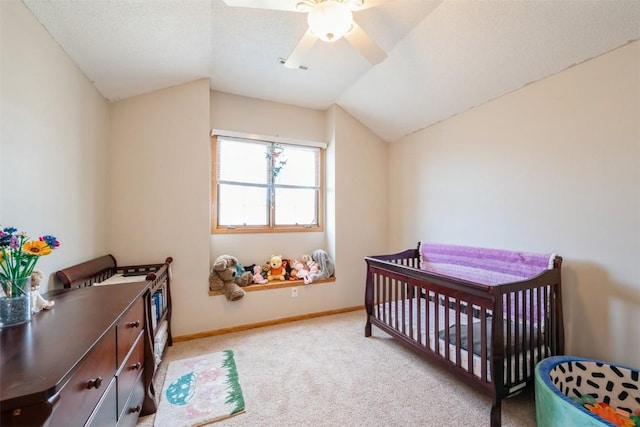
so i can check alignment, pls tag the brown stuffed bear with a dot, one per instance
(224, 276)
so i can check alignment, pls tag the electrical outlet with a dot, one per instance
(294, 292)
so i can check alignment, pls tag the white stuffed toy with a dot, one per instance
(324, 264)
(312, 266)
(302, 272)
(37, 301)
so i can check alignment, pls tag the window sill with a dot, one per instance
(276, 284)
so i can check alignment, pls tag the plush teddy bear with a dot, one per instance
(257, 275)
(276, 268)
(265, 268)
(37, 301)
(224, 276)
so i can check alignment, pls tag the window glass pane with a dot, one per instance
(240, 205)
(241, 161)
(295, 206)
(301, 168)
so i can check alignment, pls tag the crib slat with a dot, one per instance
(483, 344)
(403, 292)
(470, 340)
(394, 298)
(507, 334)
(525, 333)
(549, 336)
(540, 323)
(445, 302)
(532, 335)
(416, 308)
(427, 319)
(458, 332)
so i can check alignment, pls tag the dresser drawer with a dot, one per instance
(129, 327)
(131, 410)
(80, 395)
(130, 372)
(106, 414)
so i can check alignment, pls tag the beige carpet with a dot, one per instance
(324, 372)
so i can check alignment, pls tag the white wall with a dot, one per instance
(553, 167)
(250, 115)
(159, 191)
(361, 194)
(53, 142)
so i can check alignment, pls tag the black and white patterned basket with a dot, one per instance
(616, 386)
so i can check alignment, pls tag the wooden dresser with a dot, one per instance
(80, 363)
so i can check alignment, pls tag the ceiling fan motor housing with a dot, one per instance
(330, 20)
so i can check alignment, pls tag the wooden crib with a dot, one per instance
(486, 315)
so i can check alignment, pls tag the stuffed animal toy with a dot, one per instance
(276, 268)
(293, 274)
(240, 270)
(257, 275)
(312, 266)
(224, 276)
(37, 301)
(324, 263)
(290, 269)
(265, 268)
(302, 272)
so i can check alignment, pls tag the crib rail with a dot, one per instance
(100, 269)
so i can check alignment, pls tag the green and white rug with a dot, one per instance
(199, 391)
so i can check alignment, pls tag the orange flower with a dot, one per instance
(37, 247)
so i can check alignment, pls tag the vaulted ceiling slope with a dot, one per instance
(444, 57)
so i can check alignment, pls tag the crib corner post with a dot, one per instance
(496, 413)
(368, 300)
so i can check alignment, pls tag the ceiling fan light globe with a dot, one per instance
(330, 20)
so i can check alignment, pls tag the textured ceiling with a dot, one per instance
(444, 57)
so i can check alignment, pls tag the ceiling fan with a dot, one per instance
(328, 20)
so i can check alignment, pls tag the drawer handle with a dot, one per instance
(135, 409)
(136, 366)
(95, 383)
(134, 324)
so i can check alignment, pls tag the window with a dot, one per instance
(262, 186)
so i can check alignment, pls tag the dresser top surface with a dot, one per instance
(37, 357)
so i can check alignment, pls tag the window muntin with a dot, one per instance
(262, 186)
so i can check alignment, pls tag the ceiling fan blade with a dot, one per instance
(289, 5)
(367, 47)
(302, 50)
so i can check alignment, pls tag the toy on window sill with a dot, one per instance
(276, 268)
(290, 269)
(302, 273)
(324, 264)
(265, 269)
(312, 266)
(224, 277)
(37, 301)
(257, 275)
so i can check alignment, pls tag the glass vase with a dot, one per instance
(15, 302)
